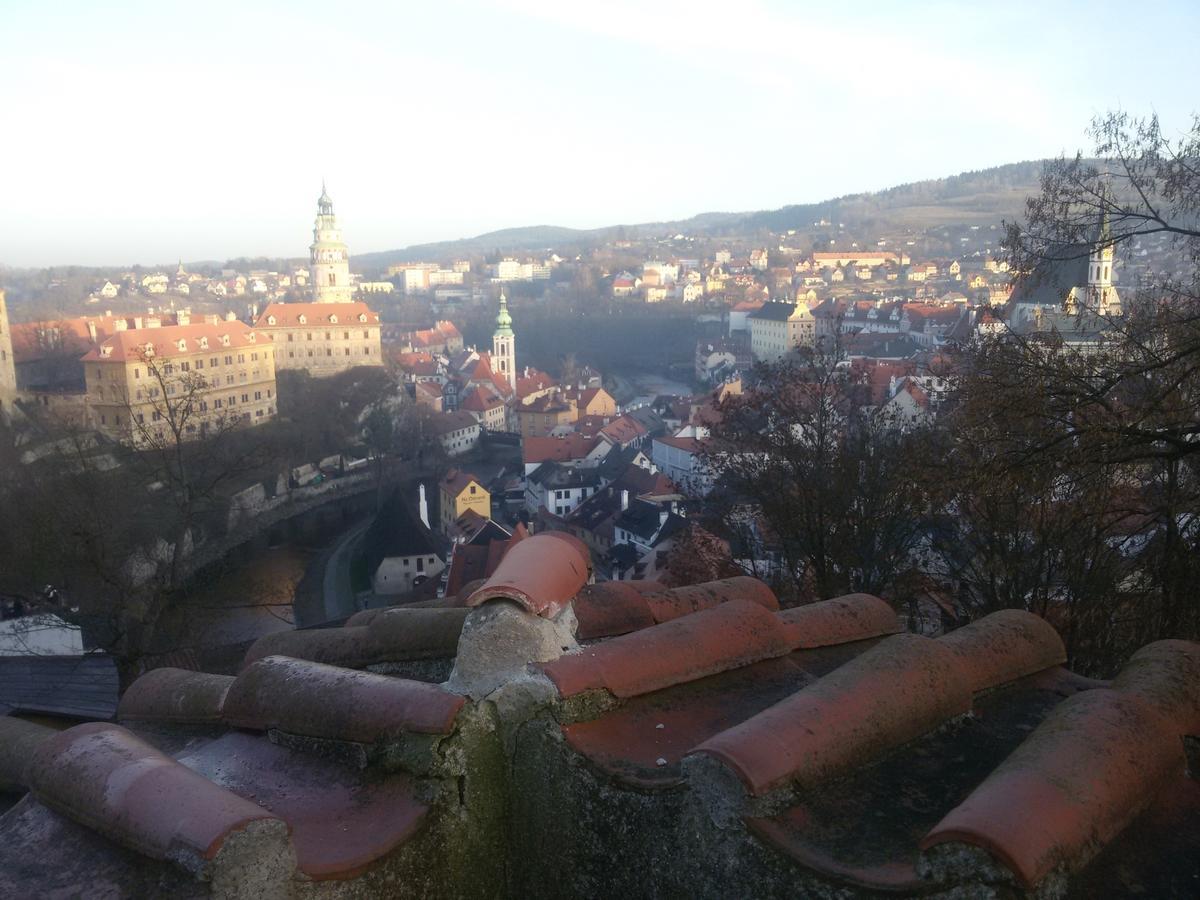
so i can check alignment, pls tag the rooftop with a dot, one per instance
(711, 742)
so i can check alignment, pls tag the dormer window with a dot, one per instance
(250, 337)
(270, 320)
(182, 344)
(333, 319)
(106, 351)
(362, 317)
(148, 349)
(303, 320)
(224, 340)
(204, 343)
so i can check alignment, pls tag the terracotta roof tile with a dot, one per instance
(900, 688)
(619, 607)
(287, 315)
(105, 777)
(175, 695)
(341, 821)
(316, 700)
(393, 635)
(1082, 776)
(1005, 646)
(1087, 771)
(541, 573)
(853, 617)
(730, 635)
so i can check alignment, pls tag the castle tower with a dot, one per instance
(329, 258)
(8, 372)
(504, 349)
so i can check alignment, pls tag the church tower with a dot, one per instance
(329, 258)
(1102, 296)
(504, 350)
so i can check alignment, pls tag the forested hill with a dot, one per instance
(970, 198)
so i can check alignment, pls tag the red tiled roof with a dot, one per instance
(287, 315)
(558, 449)
(197, 338)
(456, 481)
(623, 430)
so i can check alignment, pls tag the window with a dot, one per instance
(137, 374)
(213, 363)
(245, 398)
(199, 364)
(229, 360)
(291, 337)
(241, 357)
(329, 351)
(420, 564)
(328, 336)
(258, 395)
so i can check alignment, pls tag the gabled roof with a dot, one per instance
(288, 315)
(130, 345)
(560, 449)
(623, 430)
(456, 481)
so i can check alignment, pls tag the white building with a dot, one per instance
(329, 258)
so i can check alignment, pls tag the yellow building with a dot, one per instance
(147, 384)
(459, 492)
(8, 371)
(323, 338)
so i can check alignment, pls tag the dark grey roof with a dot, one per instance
(1049, 285)
(397, 531)
(82, 687)
(555, 475)
(776, 312)
(641, 518)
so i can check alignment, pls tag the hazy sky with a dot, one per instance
(146, 132)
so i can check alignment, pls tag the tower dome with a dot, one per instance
(504, 349)
(329, 257)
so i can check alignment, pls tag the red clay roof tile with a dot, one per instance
(733, 634)
(1088, 770)
(899, 689)
(392, 635)
(1096, 761)
(113, 782)
(853, 617)
(541, 573)
(1005, 646)
(316, 700)
(628, 742)
(613, 608)
(175, 695)
(341, 821)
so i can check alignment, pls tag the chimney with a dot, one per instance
(423, 507)
(183, 319)
(91, 325)
(120, 325)
(663, 515)
(624, 500)
(137, 321)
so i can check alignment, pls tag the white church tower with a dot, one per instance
(329, 258)
(504, 349)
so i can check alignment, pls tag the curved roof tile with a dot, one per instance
(1096, 761)
(733, 634)
(1167, 675)
(389, 636)
(1005, 646)
(613, 608)
(111, 781)
(316, 700)
(854, 617)
(897, 690)
(176, 695)
(541, 573)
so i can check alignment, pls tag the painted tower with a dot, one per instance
(8, 372)
(504, 345)
(329, 258)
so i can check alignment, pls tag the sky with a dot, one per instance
(146, 132)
